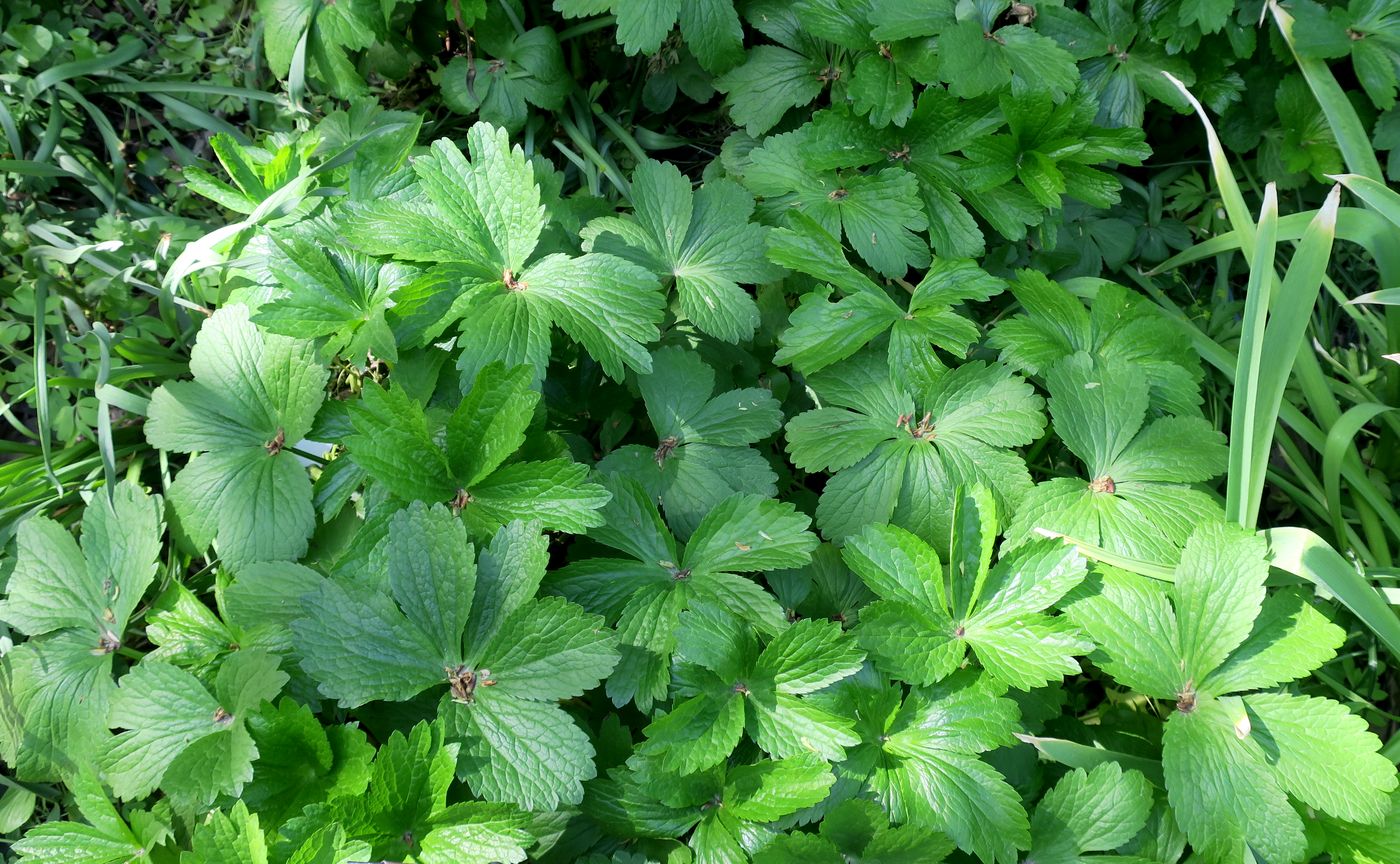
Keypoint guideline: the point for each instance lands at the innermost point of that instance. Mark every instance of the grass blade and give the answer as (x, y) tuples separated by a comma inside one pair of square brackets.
[(1304, 554), (1249, 456)]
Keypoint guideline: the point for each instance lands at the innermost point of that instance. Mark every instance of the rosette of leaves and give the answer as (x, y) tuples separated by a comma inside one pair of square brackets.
[(253, 396), (878, 212), (645, 593), (729, 810), (857, 831), (702, 453), (1118, 326), (821, 332), (1136, 500), (1236, 750), (898, 452), (441, 620), (700, 239), (404, 811), (476, 224), (926, 619), (725, 686), (919, 756), (191, 743), (75, 604), (465, 459)]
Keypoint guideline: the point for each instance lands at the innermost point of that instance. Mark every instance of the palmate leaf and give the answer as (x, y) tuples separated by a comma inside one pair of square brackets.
[(252, 396), (728, 687), (701, 239), (75, 602), (1119, 326), (511, 72), (919, 754), (404, 811), (192, 744), (924, 622), (775, 78), (1231, 762), (928, 147), (646, 593), (1136, 500), (331, 293), (702, 454), (479, 221), (442, 618), (898, 456), (880, 214), (396, 442), (822, 332)]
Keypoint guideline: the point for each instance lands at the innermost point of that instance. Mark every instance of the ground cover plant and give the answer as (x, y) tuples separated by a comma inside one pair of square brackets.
[(699, 431)]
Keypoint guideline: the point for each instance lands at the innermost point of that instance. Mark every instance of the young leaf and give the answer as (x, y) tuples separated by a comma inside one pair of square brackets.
[(252, 397), (335, 293), (919, 755), (879, 214), (702, 454), (1118, 326), (824, 332), (729, 686)]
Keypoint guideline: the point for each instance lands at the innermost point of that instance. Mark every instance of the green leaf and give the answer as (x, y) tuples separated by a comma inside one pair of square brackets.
[(1218, 590), (480, 219), (1324, 755), (396, 442), (192, 744), (702, 455), (921, 447), (505, 657), (929, 773), (1221, 787), (771, 80), (301, 762), (1135, 500), (336, 293), (252, 396), (702, 239), (1090, 811), (879, 214), (769, 790)]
